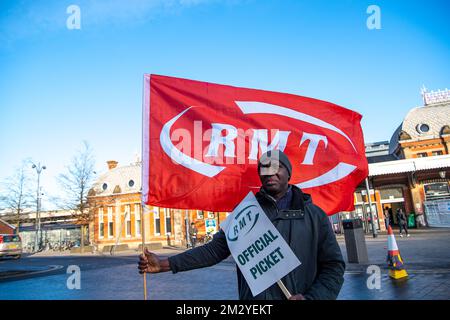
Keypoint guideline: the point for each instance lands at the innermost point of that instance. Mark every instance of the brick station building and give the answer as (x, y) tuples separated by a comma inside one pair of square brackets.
[(6, 228), (115, 200), (412, 170)]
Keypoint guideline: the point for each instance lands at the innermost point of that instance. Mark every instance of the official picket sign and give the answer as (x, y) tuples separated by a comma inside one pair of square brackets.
[(261, 253)]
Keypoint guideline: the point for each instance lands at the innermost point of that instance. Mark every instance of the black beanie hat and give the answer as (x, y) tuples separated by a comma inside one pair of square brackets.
[(277, 155)]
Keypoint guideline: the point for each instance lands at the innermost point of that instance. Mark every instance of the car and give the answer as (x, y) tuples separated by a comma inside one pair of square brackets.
[(10, 245)]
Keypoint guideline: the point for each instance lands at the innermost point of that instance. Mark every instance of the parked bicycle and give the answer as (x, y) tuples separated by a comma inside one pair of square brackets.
[(208, 237)]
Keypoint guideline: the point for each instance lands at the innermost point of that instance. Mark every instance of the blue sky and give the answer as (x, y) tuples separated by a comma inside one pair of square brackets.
[(59, 87)]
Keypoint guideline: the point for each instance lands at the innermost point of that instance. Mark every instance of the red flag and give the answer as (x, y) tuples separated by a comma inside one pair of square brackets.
[(201, 142)]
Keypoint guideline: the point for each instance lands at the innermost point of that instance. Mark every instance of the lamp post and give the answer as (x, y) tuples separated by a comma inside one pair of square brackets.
[(37, 243), (374, 230)]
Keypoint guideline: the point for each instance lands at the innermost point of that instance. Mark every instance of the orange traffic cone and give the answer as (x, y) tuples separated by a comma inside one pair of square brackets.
[(395, 262)]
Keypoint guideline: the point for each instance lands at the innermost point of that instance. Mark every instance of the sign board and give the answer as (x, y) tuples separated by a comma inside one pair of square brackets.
[(260, 252), (444, 206), (438, 213), (210, 225), (364, 192)]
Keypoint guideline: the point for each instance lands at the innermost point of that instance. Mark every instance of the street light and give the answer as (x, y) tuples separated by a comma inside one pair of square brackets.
[(37, 244), (372, 222)]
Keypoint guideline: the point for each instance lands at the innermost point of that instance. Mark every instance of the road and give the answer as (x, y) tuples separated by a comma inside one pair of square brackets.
[(426, 256)]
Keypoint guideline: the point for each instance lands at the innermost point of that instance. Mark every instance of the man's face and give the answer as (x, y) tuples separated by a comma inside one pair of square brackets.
[(274, 181)]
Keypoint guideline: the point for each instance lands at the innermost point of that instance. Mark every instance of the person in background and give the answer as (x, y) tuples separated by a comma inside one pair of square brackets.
[(402, 222), (420, 219), (386, 217), (391, 217), (193, 231)]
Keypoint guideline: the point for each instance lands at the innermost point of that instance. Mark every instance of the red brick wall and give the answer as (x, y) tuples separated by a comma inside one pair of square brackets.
[(409, 206), (5, 229)]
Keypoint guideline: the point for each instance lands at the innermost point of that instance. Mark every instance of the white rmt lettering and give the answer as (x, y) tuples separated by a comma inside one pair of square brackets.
[(227, 140), (314, 140), (260, 141)]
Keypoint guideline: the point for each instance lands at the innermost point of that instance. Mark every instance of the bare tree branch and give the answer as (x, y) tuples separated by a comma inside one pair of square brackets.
[(76, 182), (16, 194)]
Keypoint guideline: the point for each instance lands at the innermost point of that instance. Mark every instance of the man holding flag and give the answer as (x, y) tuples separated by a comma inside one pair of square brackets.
[(304, 226), (201, 147)]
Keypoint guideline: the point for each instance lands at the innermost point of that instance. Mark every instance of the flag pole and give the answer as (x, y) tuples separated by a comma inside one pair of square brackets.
[(284, 289), (143, 247), (144, 162)]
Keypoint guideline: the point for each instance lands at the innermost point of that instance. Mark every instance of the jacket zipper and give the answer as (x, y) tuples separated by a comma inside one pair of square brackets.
[(274, 204)]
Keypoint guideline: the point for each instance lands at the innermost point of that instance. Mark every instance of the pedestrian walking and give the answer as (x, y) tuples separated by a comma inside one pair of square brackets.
[(386, 217), (402, 222), (193, 232)]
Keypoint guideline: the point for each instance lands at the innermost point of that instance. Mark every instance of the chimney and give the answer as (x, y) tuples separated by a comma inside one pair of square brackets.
[(111, 164)]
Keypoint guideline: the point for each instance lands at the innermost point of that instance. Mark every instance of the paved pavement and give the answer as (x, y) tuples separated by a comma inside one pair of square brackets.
[(426, 256), (427, 261)]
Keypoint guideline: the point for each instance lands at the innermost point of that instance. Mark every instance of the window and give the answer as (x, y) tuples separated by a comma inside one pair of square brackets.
[(423, 128), (359, 197), (359, 212), (438, 190), (375, 217), (422, 155), (127, 221), (211, 215), (374, 210), (131, 183), (10, 238), (110, 223), (101, 224), (437, 153), (199, 214), (104, 186), (137, 219), (168, 221), (345, 215), (391, 193), (156, 221)]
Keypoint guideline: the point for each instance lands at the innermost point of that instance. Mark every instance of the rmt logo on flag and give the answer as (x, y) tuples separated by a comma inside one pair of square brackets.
[(201, 143)]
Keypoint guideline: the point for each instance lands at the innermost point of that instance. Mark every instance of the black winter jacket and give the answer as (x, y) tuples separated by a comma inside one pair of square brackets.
[(306, 229)]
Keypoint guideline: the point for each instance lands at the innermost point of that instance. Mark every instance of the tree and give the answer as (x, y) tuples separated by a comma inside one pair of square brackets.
[(17, 195), (76, 182)]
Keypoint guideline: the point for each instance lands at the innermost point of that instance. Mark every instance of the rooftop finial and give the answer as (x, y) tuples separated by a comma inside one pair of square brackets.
[(137, 158)]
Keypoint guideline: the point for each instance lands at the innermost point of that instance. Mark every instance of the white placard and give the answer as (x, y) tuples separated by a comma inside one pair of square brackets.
[(260, 252)]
